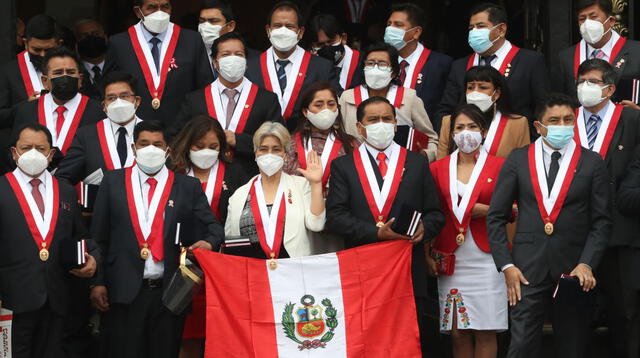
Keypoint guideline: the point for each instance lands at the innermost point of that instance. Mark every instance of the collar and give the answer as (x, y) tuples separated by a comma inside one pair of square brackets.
[(389, 151), (25, 179), (51, 106), (148, 35), (502, 52), (295, 57), (415, 53), (341, 63), (548, 150), (128, 127), (600, 113), (161, 176), (608, 47), (222, 87), (89, 66)]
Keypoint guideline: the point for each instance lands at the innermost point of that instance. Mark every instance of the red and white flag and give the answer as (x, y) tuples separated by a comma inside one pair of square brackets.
[(353, 303)]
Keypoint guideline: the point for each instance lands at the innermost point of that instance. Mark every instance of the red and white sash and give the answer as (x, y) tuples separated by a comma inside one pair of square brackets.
[(349, 66), (270, 227), (42, 228), (415, 66), (380, 200), (294, 79), (394, 95), (607, 129), (248, 92), (500, 64), (149, 226), (32, 83), (213, 186), (155, 82), (580, 54), (494, 135), (72, 119), (329, 153), (109, 148), (462, 211), (550, 203)]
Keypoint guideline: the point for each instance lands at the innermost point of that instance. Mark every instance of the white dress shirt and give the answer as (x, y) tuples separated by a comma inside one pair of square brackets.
[(152, 270), (389, 151), (89, 67), (51, 107), (295, 57), (413, 54), (607, 48), (148, 36), (546, 155), (223, 97), (501, 54)]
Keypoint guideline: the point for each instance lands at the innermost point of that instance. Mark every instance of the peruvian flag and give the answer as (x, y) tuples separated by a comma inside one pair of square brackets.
[(353, 303)]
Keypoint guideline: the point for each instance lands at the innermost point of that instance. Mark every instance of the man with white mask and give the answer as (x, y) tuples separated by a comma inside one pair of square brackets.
[(237, 103), (600, 40), (286, 68), (143, 215)]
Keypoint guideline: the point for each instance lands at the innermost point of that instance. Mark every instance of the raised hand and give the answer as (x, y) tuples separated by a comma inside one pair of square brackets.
[(313, 173)]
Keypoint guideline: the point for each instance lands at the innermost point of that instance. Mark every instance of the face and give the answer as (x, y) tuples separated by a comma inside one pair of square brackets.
[(594, 12), (150, 6), (463, 122), (39, 47), (120, 90), (89, 28), (400, 20), (595, 77), (30, 139), (270, 145), (215, 17), (374, 113), (484, 87), (381, 58), (285, 18), (147, 138), (481, 21), (209, 141), (60, 66), (555, 116), (324, 40), (323, 100), (229, 48)]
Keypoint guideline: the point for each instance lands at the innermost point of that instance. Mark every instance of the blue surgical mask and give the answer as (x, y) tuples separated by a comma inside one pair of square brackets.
[(479, 39), (558, 136), (395, 37)]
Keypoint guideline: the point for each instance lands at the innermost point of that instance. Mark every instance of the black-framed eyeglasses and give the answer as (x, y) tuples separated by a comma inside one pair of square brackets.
[(593, 81)]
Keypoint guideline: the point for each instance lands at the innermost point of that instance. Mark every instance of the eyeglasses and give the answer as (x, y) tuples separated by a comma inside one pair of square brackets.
[(592, 81), (122, 96), (383, 66)]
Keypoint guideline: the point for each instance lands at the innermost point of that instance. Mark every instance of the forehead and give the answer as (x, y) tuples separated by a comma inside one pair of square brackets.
[(211, 14), (481, 17), (323, 95), (29, 136), (231, 45), (592, 74), (151, 136), (399, 16), (155, 2), (61, 62), (378, 109), (463, 119), (270, 141), (378, 55), (284, 15), (118, 87), (593, 9), (43, 43), (559, 111)]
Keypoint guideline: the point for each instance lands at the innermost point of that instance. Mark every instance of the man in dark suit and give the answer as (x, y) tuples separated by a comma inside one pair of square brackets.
[(92, 49), (599, 40), (285, 68), (352, 190), (239, 105), (420, 68), (168, 61), (34, 279), (525, 70), (563, 228), (64, 109), (613, 131), (142, 215)]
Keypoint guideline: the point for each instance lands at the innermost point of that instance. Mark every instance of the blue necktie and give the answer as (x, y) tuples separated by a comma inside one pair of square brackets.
[(155, 52), (282, 75), (592, 129)]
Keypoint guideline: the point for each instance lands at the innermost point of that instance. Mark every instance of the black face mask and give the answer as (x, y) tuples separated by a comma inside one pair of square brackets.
[(36, 61), (64, 87), (332, 53), (92, 47)]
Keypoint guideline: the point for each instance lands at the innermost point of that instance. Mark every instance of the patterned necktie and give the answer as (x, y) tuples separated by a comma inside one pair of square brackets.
[(486, 60), (97, 75), (152, 188), (382, 164), (155, 52), (122, 145), (37, 196), (282, 75), (403, 70), (593, 124), (597, 53), (60, 121), (553, 169), (231, 104)]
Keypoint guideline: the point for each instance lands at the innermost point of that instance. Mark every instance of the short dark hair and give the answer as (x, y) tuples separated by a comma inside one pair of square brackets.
[(609, 76), (36, 127), (59, 52), (287, 5), (393, 57), (224, 38), (372, 100), (475, 114), (42, 27), (604, 5), (552, 100), (493, 76), (149, 125), (415, 14), (118, 76), (328, 23), (497, 13), (223, 6)]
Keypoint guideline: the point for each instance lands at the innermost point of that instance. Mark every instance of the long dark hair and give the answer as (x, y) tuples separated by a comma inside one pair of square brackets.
[(493, 76), (304, 125), (194, 130), (475, 114)]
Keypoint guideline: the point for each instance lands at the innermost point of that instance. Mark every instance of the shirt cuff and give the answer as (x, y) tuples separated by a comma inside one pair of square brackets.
[(506, 267)]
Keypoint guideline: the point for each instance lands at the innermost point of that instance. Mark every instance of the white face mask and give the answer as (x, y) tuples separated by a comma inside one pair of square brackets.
[(468, 141), (32, 162), (121, 111), (157, 22), (283, 39), (590, 94), (380, 134), (324, 119), (204, 158), (232, 67), (150, 159), (481, 100), (592, 31), (269, 163), (209, 33), (376, 78)]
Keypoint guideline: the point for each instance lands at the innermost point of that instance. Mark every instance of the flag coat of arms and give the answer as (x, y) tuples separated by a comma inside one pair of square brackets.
[(353, 303)]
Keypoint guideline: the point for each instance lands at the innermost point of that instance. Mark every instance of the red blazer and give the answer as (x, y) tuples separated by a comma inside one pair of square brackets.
[(446, 240)]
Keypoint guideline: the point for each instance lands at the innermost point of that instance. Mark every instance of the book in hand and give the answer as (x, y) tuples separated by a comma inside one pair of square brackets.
[(569, 293), (406, 221), (72, 253)]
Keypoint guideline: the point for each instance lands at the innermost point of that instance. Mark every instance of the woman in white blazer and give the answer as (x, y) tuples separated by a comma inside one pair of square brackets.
[(381, 72), (256, 208)]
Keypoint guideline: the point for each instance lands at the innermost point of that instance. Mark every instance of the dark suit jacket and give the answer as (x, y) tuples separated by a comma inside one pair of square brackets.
[(434, 78), (265, 108), (581, 231), (348, 213), (26, 283), (629, 192), (120, 267), (528, 83), (193, 72)]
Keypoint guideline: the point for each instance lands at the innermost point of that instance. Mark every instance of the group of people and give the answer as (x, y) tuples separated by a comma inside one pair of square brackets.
[(161, 138)]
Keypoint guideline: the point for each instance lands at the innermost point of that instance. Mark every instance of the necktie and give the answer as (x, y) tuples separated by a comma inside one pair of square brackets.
[(553, 169), (37, 196), (60, 121), (382, 164), (486, 60), (403, 70), (155, 52), (97, 75), (157, 248), (282, 75), (152, 188), (592, 129), (122, 145), (597, 53), (231, 104)]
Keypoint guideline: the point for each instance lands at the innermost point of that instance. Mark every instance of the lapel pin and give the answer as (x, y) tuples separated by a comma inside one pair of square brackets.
[(224, 185), (489, 180), (171, 203), (289, 197), (246, 106), (620, 147)]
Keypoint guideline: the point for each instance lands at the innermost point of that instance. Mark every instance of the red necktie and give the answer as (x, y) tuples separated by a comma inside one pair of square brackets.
[(157, 243), (37, 196), (152, 188), (403, 70), (60, 110), (382, 164)]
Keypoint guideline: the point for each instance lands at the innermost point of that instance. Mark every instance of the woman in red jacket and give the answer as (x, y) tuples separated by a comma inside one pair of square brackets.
[(473, 297)]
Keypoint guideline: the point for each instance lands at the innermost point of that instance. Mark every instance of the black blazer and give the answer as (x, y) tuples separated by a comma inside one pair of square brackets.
[(348, 213), (581, 231), (430, 86), (528, 82), (629, 192), (120, 267), (265, 108), (26, 283), (193, 72)]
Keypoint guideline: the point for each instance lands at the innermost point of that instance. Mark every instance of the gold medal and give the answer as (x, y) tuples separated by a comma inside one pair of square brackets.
[(548, 228), (460, 237), (380, 223), (273, 264), (44, 254), (155, 103), (145, 252)]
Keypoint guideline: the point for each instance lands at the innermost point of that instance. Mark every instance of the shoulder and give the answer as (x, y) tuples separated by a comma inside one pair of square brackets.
[(520, 154), (193, 95), (494, 161), (266, 95), (10, 67), (630, 114), (567, 51), (344, 160), (461, 62), (189, 34), (632, 44), (414, 158), (120, 38), (183, 179), (529, 54), (439, 164), (27, 107), (439, 57), (320, 63), (590, 156), (348, 96)]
